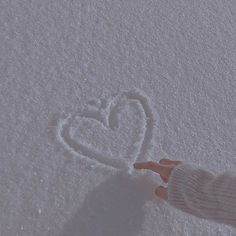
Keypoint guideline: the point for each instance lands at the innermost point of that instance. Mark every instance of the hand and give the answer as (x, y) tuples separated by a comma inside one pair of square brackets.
[(164, 168)]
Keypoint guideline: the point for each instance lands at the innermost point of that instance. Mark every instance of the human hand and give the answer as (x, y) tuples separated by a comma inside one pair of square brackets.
[(164, 168)]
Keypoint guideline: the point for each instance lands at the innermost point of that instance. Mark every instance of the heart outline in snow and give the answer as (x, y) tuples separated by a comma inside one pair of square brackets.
[(108, 116)]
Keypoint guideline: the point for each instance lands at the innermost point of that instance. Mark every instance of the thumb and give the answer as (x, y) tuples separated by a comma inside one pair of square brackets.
[(161, 192)]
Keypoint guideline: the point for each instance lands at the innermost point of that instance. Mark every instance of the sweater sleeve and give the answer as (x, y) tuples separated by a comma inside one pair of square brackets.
[(200, 193)]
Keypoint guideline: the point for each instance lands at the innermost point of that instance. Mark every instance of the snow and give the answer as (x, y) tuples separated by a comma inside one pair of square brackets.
[(89, 87), (100, 131)]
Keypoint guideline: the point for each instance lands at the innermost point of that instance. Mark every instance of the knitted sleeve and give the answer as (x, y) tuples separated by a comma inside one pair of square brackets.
[(200, 193)]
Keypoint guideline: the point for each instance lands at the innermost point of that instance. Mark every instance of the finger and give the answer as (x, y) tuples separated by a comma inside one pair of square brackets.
[(162, 192), (164, 171), (150, 166), (164, 179), (168, 162)]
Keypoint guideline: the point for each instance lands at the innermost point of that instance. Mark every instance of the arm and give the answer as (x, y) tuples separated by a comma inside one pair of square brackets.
[(200, 193)]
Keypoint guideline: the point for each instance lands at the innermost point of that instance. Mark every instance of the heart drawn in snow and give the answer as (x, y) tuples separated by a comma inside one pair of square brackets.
[(116, 132)]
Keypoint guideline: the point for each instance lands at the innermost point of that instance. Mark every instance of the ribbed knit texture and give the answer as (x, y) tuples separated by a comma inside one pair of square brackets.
[(200, 193)]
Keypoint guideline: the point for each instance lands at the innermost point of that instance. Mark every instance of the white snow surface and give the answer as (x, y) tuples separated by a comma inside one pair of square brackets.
[(88, 87)]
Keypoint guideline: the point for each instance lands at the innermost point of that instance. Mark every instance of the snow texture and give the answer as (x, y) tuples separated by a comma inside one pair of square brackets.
[(89, 87)]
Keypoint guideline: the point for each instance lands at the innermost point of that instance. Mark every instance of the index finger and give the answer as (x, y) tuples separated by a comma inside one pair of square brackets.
[(150, 165)]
